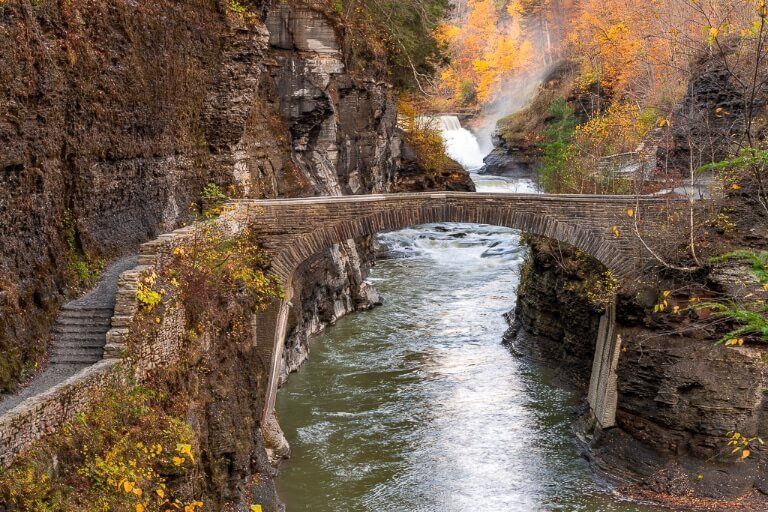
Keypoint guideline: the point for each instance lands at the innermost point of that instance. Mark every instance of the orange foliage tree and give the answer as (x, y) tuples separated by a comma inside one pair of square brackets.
[(488, 47)]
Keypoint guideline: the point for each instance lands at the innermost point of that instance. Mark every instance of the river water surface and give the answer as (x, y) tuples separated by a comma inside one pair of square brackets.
[(416, 406)]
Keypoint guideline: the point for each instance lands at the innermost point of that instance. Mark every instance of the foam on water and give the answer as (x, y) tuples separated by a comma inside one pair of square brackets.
[(463, 244), (504, 185)]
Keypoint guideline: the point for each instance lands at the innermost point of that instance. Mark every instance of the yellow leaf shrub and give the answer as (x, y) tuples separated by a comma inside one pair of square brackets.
[(117, 457)]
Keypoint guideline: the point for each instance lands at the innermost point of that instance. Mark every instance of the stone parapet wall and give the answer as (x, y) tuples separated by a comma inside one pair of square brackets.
[(45, 413), (295, 229)]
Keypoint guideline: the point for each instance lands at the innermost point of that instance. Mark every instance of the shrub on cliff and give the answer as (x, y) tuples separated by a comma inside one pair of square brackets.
[(574, 154), (423, 135), (213, 268), (397, 36), (749, 313), (129, 453)]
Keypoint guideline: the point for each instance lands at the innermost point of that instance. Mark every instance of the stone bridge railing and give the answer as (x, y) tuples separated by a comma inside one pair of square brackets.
[(295, 229)]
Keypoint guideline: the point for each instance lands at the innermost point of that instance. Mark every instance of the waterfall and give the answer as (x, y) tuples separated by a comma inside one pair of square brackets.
[(449, 123), (460, 143)]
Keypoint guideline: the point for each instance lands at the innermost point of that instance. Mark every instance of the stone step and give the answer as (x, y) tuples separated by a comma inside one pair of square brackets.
[(72, 337), (59, 354), (76, 359), (83, 317), (76, 351), (80, 329), (105, 320), (85, 312), (79, 342), (80, 335)]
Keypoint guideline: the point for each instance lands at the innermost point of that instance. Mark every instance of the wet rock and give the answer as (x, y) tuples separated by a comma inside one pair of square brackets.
[(513, 162), (412, 177), (552, 323), (274, 441)]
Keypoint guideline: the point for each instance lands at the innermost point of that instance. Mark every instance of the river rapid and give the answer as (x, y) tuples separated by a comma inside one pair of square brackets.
[(416, 406)]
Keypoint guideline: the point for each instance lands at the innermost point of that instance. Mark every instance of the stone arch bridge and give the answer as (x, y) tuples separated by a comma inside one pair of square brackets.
[(292, 230)]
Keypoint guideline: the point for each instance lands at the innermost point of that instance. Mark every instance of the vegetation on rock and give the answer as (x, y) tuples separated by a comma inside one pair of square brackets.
[(423, 135), (397, 36), (130, 452), (214, 268)]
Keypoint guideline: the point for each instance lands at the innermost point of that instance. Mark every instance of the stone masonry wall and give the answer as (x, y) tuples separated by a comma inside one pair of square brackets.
[(47, 412)]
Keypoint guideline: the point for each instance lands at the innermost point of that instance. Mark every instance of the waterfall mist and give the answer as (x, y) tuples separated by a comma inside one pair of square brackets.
[(460, 144), (513, 98)]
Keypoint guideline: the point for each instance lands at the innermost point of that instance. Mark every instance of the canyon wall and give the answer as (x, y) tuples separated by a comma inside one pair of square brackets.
[(113, 119), (679, 393), (114, 116)]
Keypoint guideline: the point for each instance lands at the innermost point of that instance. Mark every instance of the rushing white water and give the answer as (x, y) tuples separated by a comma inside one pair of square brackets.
[(503, 184), (460, 144)]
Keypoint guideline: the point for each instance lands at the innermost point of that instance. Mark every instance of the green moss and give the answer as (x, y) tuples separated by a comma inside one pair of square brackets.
[(557, 147), (84, 270)]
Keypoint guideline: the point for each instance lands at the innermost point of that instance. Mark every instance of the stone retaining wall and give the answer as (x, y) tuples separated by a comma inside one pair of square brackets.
[(47, 412)]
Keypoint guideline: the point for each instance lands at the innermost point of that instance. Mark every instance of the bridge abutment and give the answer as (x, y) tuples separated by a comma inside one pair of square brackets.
[(603, 392), (271, 326)]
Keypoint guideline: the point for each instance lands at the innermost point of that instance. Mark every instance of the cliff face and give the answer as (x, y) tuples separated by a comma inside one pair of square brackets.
[(344, 139), (538, 328), (103, 145), (679, 394), (114, 116)]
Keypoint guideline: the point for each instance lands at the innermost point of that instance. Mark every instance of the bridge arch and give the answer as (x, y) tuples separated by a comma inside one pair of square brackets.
[(296, 229), (326, 236)]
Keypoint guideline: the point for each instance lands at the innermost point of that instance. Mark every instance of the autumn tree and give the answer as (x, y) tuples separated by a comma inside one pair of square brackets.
[(488, 47), (398, 36)]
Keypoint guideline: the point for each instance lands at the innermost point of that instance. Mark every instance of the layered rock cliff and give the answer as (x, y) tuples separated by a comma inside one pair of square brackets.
[(679, 393), (114, 116)]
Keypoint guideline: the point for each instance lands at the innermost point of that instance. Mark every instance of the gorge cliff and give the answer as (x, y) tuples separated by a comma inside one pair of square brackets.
[(682, 394), (117, 119), (115, 116)]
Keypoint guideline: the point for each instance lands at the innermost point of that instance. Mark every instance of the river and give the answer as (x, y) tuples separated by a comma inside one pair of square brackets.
[(416, 406)]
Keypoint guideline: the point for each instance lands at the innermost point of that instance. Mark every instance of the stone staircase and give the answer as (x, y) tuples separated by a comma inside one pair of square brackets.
[(80, 331), (79, 335)]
